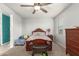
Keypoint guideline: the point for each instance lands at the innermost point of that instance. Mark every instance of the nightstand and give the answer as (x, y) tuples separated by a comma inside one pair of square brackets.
[(50, 36)]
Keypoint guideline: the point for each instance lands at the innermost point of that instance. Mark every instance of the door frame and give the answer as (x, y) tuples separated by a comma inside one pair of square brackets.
[(11, 44)]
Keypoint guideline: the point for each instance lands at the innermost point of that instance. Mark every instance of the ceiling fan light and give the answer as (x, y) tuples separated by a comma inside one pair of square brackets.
[(37, 7)]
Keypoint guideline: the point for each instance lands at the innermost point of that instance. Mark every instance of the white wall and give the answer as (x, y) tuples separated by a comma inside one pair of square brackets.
[(17, 25), (31, 24), (68, 19)]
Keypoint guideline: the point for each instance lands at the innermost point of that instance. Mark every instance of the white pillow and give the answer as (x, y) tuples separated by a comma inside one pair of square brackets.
[(38, 33)]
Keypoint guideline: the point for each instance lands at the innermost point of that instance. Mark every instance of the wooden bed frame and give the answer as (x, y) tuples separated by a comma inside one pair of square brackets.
[(29, 44)]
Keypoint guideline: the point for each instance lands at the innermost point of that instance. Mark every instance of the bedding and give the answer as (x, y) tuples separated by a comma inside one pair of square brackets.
[(33, 37), (38, 37)]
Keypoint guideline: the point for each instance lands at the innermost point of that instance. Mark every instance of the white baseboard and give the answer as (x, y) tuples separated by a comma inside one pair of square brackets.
[(62, 45), (7, 44)]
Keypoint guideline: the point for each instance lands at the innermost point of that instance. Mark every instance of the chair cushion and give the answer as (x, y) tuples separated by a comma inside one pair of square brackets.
[(19, 42)]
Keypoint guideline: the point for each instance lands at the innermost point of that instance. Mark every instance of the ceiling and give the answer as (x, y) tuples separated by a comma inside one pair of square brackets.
[(26, 12)]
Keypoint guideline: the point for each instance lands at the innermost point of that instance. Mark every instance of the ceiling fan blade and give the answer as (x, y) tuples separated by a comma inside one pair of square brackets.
[(44, 4), (35, 4), (27, 5), (43, 10), (34, 12)]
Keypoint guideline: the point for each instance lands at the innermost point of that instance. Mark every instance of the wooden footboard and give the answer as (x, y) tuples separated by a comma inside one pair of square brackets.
[(29, 44)]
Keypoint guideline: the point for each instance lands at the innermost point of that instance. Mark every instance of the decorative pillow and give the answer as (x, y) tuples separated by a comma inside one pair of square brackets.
[(26, 36)]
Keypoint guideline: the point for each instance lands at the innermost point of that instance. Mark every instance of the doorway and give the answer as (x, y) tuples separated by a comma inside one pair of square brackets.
[(5, 28)]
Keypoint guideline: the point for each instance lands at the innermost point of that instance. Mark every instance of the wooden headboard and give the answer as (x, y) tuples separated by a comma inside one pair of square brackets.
[(38, 30)]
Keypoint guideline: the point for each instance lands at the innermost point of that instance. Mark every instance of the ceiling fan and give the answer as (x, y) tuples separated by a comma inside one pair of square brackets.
[(37, 6)]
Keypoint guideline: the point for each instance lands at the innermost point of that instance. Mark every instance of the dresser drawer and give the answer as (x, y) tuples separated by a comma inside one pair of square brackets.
[(72, 52), (72, 42), (73, 47), (72, 33), (74, 38)]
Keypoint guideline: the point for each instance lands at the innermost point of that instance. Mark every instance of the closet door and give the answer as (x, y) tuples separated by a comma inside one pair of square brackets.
[(5, 28)]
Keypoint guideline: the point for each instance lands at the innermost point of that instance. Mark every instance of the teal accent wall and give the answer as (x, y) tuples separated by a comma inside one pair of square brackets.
[(5, 28)]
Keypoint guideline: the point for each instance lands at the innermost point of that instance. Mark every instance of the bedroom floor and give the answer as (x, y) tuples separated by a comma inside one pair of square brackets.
[(4, 48), (20, 51)]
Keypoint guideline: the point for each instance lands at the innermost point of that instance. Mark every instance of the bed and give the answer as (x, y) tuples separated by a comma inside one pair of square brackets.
[(38, 37)]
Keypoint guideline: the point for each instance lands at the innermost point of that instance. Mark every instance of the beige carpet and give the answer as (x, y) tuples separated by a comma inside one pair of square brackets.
[(20, 51)]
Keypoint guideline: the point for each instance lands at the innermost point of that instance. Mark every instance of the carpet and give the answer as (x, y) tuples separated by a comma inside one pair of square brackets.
[(20, 51)]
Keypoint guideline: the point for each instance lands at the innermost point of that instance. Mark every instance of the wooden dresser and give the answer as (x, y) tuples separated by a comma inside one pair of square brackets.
[(72, 41)]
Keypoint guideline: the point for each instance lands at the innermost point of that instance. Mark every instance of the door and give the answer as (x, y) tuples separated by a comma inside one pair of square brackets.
[(5, 28)]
